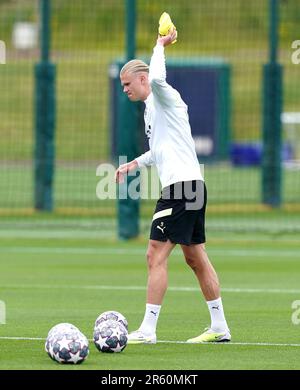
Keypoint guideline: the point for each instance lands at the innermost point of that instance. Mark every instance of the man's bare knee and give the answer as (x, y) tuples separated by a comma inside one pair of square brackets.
[(157, 254), (190, 262), (151, 258), (194, 256)]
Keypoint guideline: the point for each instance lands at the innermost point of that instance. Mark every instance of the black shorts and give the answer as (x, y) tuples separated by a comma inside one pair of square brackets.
[(180, 214)]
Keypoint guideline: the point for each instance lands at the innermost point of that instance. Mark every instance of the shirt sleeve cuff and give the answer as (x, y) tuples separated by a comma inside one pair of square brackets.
[(140, 161), (144, 160)]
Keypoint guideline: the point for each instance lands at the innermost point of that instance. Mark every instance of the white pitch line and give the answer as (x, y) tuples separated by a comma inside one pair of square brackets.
[(233, 343), (143, 288), (58, 234), (22, 338), (169, 342), (142, 252)]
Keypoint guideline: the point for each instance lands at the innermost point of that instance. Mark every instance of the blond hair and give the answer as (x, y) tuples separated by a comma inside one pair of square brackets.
[(134, 66)]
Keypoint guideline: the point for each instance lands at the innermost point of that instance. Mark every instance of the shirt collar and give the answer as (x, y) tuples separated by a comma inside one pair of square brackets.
[(149, 99)]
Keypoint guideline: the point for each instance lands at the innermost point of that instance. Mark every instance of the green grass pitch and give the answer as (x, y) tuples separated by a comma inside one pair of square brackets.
[(64, 279)]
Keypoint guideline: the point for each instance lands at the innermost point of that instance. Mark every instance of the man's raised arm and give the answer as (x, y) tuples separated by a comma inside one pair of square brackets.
[(157, 71)]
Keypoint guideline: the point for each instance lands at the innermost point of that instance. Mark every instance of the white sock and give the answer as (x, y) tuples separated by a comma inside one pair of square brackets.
[(148, 326), (218, 322)]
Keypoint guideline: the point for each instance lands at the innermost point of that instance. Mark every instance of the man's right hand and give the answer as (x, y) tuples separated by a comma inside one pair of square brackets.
[(167, 39), (123, 170)]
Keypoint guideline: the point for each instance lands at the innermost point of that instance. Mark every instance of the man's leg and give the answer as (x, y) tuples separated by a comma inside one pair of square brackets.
[(157, 256), (157, 261), (196, 257)]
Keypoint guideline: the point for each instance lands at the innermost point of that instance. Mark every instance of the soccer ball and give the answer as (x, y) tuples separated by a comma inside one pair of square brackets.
[(66, 344), (110, 336), (111, 315), (63, 327)]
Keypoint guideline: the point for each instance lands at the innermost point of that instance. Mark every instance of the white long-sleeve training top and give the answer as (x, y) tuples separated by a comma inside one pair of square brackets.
[(172, 148)]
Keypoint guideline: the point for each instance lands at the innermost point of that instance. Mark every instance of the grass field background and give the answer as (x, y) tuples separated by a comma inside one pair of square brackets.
[(68, 266), (75, 186), (86, 38), (230, 207), (65, 278)]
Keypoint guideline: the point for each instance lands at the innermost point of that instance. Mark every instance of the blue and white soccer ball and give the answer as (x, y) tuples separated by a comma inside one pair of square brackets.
[(62, 327), (110, 336), (66, 344), (111, 315)]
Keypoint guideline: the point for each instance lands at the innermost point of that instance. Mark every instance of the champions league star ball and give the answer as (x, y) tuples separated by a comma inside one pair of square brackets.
[(63, 327), (111, 315), (72, 348), (66, 344), (110, 336)]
